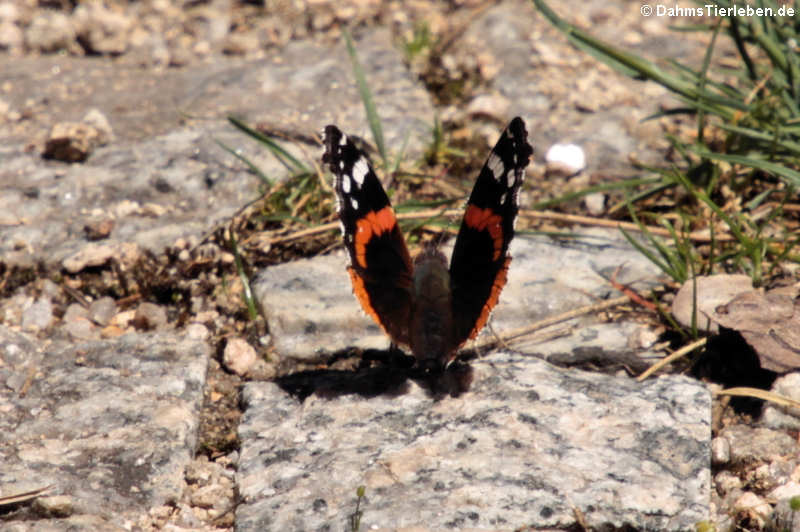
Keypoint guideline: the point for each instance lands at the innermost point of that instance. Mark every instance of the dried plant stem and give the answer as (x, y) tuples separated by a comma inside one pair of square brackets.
[(674, 356), (547, 322), (761, 394)]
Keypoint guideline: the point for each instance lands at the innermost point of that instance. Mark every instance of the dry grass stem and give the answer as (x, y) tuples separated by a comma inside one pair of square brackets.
[(688, 348)]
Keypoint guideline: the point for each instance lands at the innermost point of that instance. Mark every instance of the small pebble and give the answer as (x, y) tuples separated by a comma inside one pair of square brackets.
[(75, 311), (55, 506), (239, 356), (98, 229), (595, 203), (565, 159), (38, 316), (720, 451), (783, 417), (149, 316), (755, 507), (102, 310)]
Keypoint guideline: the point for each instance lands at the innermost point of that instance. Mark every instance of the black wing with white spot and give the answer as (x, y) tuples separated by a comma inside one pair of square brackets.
[(380, 266), (480, 261)]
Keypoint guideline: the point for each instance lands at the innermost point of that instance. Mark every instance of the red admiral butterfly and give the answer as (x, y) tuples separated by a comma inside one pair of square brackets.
[(424, 305)]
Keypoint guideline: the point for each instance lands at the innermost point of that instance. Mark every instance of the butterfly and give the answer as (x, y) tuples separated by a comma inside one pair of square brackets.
[(425, 304)]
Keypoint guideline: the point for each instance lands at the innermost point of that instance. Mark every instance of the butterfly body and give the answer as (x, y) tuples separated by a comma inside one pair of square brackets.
[(426, 304), (431, 326)]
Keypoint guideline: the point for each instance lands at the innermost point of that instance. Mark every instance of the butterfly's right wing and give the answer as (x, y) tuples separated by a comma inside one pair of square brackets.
[(480, 260)]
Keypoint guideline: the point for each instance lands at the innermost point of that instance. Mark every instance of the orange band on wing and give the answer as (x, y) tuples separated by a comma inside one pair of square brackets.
[(486, 220), (360, 292), (497, 287), (375, 223)]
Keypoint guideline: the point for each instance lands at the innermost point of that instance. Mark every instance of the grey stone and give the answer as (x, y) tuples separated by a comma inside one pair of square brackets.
[(96, 254), (75, 311), (56, 506), (99, 121), (102, 310), (725, 481), (752, 444), (150, 316), (81, 329), (103, 30), (783, 417), (38, 316), (704, 294), (50, 31), (310, 308), (77, 324), (75, 141), (11, 37), (528, 445), (75, 523), (785, 517), (112, 424), (755, 508)]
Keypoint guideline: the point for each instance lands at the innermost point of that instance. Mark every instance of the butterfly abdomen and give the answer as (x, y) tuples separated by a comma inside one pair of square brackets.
[(431, 314)]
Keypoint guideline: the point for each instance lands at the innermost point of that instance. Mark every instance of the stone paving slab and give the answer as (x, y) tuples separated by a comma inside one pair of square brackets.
[(180, 183), (528, 445), (110, 424)]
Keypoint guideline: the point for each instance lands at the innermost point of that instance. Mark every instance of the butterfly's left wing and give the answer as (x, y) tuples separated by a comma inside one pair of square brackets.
[(480, 261), (380, 266)]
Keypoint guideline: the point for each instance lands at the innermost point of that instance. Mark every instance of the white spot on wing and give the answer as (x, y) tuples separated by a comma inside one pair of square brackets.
[(346, 184), (360, 171), (354, 203), (495, 164)]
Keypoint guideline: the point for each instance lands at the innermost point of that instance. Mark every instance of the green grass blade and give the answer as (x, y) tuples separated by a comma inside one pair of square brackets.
[(703, 77), (633, 66), (247, 293), (253, 168), (792, 177), (602, 187), (788, 145), (648, 253), (579, 39), (701, 195), (286, 159), (661, 185), (287, 218), (401, 153), (366, 97), (738, 39), (760, 198), (416, 205), (668, 261)]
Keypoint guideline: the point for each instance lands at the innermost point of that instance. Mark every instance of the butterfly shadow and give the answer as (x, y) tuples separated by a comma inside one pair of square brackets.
[(380, 372)]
